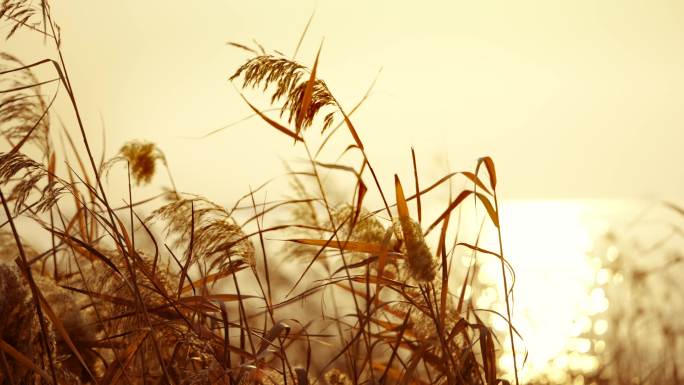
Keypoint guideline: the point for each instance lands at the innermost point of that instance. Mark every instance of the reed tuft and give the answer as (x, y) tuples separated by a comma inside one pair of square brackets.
[(142, 158), (290, 81)]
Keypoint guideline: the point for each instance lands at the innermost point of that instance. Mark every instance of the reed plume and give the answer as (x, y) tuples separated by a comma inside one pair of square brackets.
[(21, 13), (142, 158), (420, 264), (289, 79), (24, 111), (207, 231)]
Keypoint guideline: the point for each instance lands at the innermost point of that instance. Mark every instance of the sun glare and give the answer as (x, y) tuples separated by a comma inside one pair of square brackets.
[(548, 243)]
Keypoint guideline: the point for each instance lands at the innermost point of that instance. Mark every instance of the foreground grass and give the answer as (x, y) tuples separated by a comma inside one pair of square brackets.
[(114, 301), (177, 289)]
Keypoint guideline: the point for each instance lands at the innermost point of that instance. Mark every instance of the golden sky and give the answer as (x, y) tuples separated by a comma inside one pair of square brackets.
[(571, 98)]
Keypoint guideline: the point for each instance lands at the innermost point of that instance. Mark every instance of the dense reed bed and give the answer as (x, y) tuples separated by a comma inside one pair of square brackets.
[(319, 286), (174, 290)]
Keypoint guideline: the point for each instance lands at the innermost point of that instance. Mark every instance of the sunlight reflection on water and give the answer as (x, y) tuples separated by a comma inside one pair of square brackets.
[(556, 300)]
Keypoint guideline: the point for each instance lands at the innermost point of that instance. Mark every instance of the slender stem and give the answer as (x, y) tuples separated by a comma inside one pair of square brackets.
[(505, 282)]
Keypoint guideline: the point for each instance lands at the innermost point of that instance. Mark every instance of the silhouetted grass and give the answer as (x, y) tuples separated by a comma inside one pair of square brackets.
[(115, 301)]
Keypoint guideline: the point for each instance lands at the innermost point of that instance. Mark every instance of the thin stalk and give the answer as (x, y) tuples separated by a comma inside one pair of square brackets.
[(505, 282)]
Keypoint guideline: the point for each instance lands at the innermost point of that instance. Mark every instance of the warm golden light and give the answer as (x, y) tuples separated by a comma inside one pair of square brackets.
[(549, 243), (164, 163)]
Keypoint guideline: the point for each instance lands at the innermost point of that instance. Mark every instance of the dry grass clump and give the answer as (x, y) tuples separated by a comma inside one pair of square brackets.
[(21, 329), (112, 300), (19, 323)]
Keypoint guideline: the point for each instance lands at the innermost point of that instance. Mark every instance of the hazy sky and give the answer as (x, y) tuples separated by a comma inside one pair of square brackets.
[(572, 98)]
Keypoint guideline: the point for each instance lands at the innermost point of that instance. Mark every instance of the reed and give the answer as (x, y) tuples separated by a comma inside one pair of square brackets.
[(116, 299)]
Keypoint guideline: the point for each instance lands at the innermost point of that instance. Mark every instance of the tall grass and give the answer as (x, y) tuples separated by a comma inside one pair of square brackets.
[(117, 299)]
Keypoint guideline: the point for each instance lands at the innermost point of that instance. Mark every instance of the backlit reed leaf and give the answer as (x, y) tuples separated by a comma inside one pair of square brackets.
[(491, 170), (307, 96)]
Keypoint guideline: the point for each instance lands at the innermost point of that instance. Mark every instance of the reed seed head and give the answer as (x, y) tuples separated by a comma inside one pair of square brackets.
[(142, 158), (420, 264)]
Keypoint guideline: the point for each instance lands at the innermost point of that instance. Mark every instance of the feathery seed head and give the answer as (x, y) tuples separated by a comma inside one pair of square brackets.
[(420, 264), (216, 238), (142, 158), (290, 80)]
